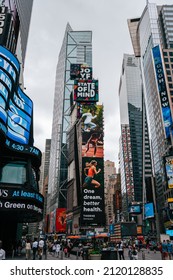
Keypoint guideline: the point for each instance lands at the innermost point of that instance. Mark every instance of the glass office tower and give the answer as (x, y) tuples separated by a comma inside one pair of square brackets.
[(154, 29), (76, 48), (135, 159)]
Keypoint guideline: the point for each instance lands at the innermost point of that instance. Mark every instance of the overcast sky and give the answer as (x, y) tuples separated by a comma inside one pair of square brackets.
[(107, 19)]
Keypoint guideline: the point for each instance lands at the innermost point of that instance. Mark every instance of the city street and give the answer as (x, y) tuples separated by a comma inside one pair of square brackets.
[(142, 255)]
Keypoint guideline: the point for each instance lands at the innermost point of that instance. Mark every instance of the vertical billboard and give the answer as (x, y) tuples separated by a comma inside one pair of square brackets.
[(162, 90), (92, 166), (61, 220), (148, 210), (16, 108), (169, 171), (5, 20)]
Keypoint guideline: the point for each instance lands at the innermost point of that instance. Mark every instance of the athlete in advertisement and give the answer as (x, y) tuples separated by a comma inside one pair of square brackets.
[(90, 171)]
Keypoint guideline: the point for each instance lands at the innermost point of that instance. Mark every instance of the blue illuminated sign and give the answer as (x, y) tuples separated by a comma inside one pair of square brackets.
[(8, 67), (4, 77), (135, 209), (21, 104), (10, 57), (3, 91), (149, 210), (161, 84), (169, 232)]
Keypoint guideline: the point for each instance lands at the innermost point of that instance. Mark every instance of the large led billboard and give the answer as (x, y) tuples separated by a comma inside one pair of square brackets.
[(61, 221), (86, 91), (21, 201), (162, 90), (134, 209), (148, 210), (92, 166), (80, 72), (169, 171), (16, 108)]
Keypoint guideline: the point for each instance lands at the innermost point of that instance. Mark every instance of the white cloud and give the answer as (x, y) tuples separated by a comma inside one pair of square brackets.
[(108, 21)]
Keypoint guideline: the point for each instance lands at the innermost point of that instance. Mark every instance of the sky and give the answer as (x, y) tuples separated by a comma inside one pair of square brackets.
[(107, 19)]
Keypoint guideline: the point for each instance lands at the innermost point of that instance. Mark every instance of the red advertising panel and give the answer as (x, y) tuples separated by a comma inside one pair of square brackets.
[(61, 221)]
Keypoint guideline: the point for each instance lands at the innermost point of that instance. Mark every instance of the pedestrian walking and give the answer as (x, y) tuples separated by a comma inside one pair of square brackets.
[(164, 250), (169, 249), (130, 253), (65, 251), (57, 249), (34, 248), (121, 251), (28, 249), (134, 253), (45, 247), (40, 248), (2, 252)]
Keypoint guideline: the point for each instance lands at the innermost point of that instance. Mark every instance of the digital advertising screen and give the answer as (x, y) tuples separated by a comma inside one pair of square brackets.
[(169, 171), (86, 91), (149, 210), (169, 232), (135, 209), (162, 90), (61, 220), (92, 165), (92, 191), (16, 108), (80, 72)]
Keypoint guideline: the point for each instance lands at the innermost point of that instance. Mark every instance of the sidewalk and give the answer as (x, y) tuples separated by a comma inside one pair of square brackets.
[(142, 255)]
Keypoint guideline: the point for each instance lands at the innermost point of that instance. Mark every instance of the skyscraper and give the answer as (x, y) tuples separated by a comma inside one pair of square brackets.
[(151, 36), (17, 20), (135, 159), (76, 48), (20, 160)]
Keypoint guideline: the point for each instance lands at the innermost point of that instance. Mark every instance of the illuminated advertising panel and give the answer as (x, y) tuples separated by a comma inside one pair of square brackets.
[(61, 220), (162, 90), (21, 202), (10, 58), (80, 72), (169, 232), (93, 192), (16, 108), (86, 91), (169, 171), (5, 19), (92, 166), (135, 209), (149, 210)]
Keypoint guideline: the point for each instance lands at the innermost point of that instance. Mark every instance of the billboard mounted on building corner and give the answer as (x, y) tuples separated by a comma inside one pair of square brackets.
[(162, 90)]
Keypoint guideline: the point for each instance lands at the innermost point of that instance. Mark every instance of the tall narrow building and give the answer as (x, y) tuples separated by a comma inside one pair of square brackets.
[(20, 160), (152, 40), (76, 48), (135, 159)]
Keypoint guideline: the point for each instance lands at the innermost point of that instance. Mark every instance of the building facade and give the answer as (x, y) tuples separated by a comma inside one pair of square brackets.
[(135, 158), (151, 36), (20, 200), (76, 48)]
